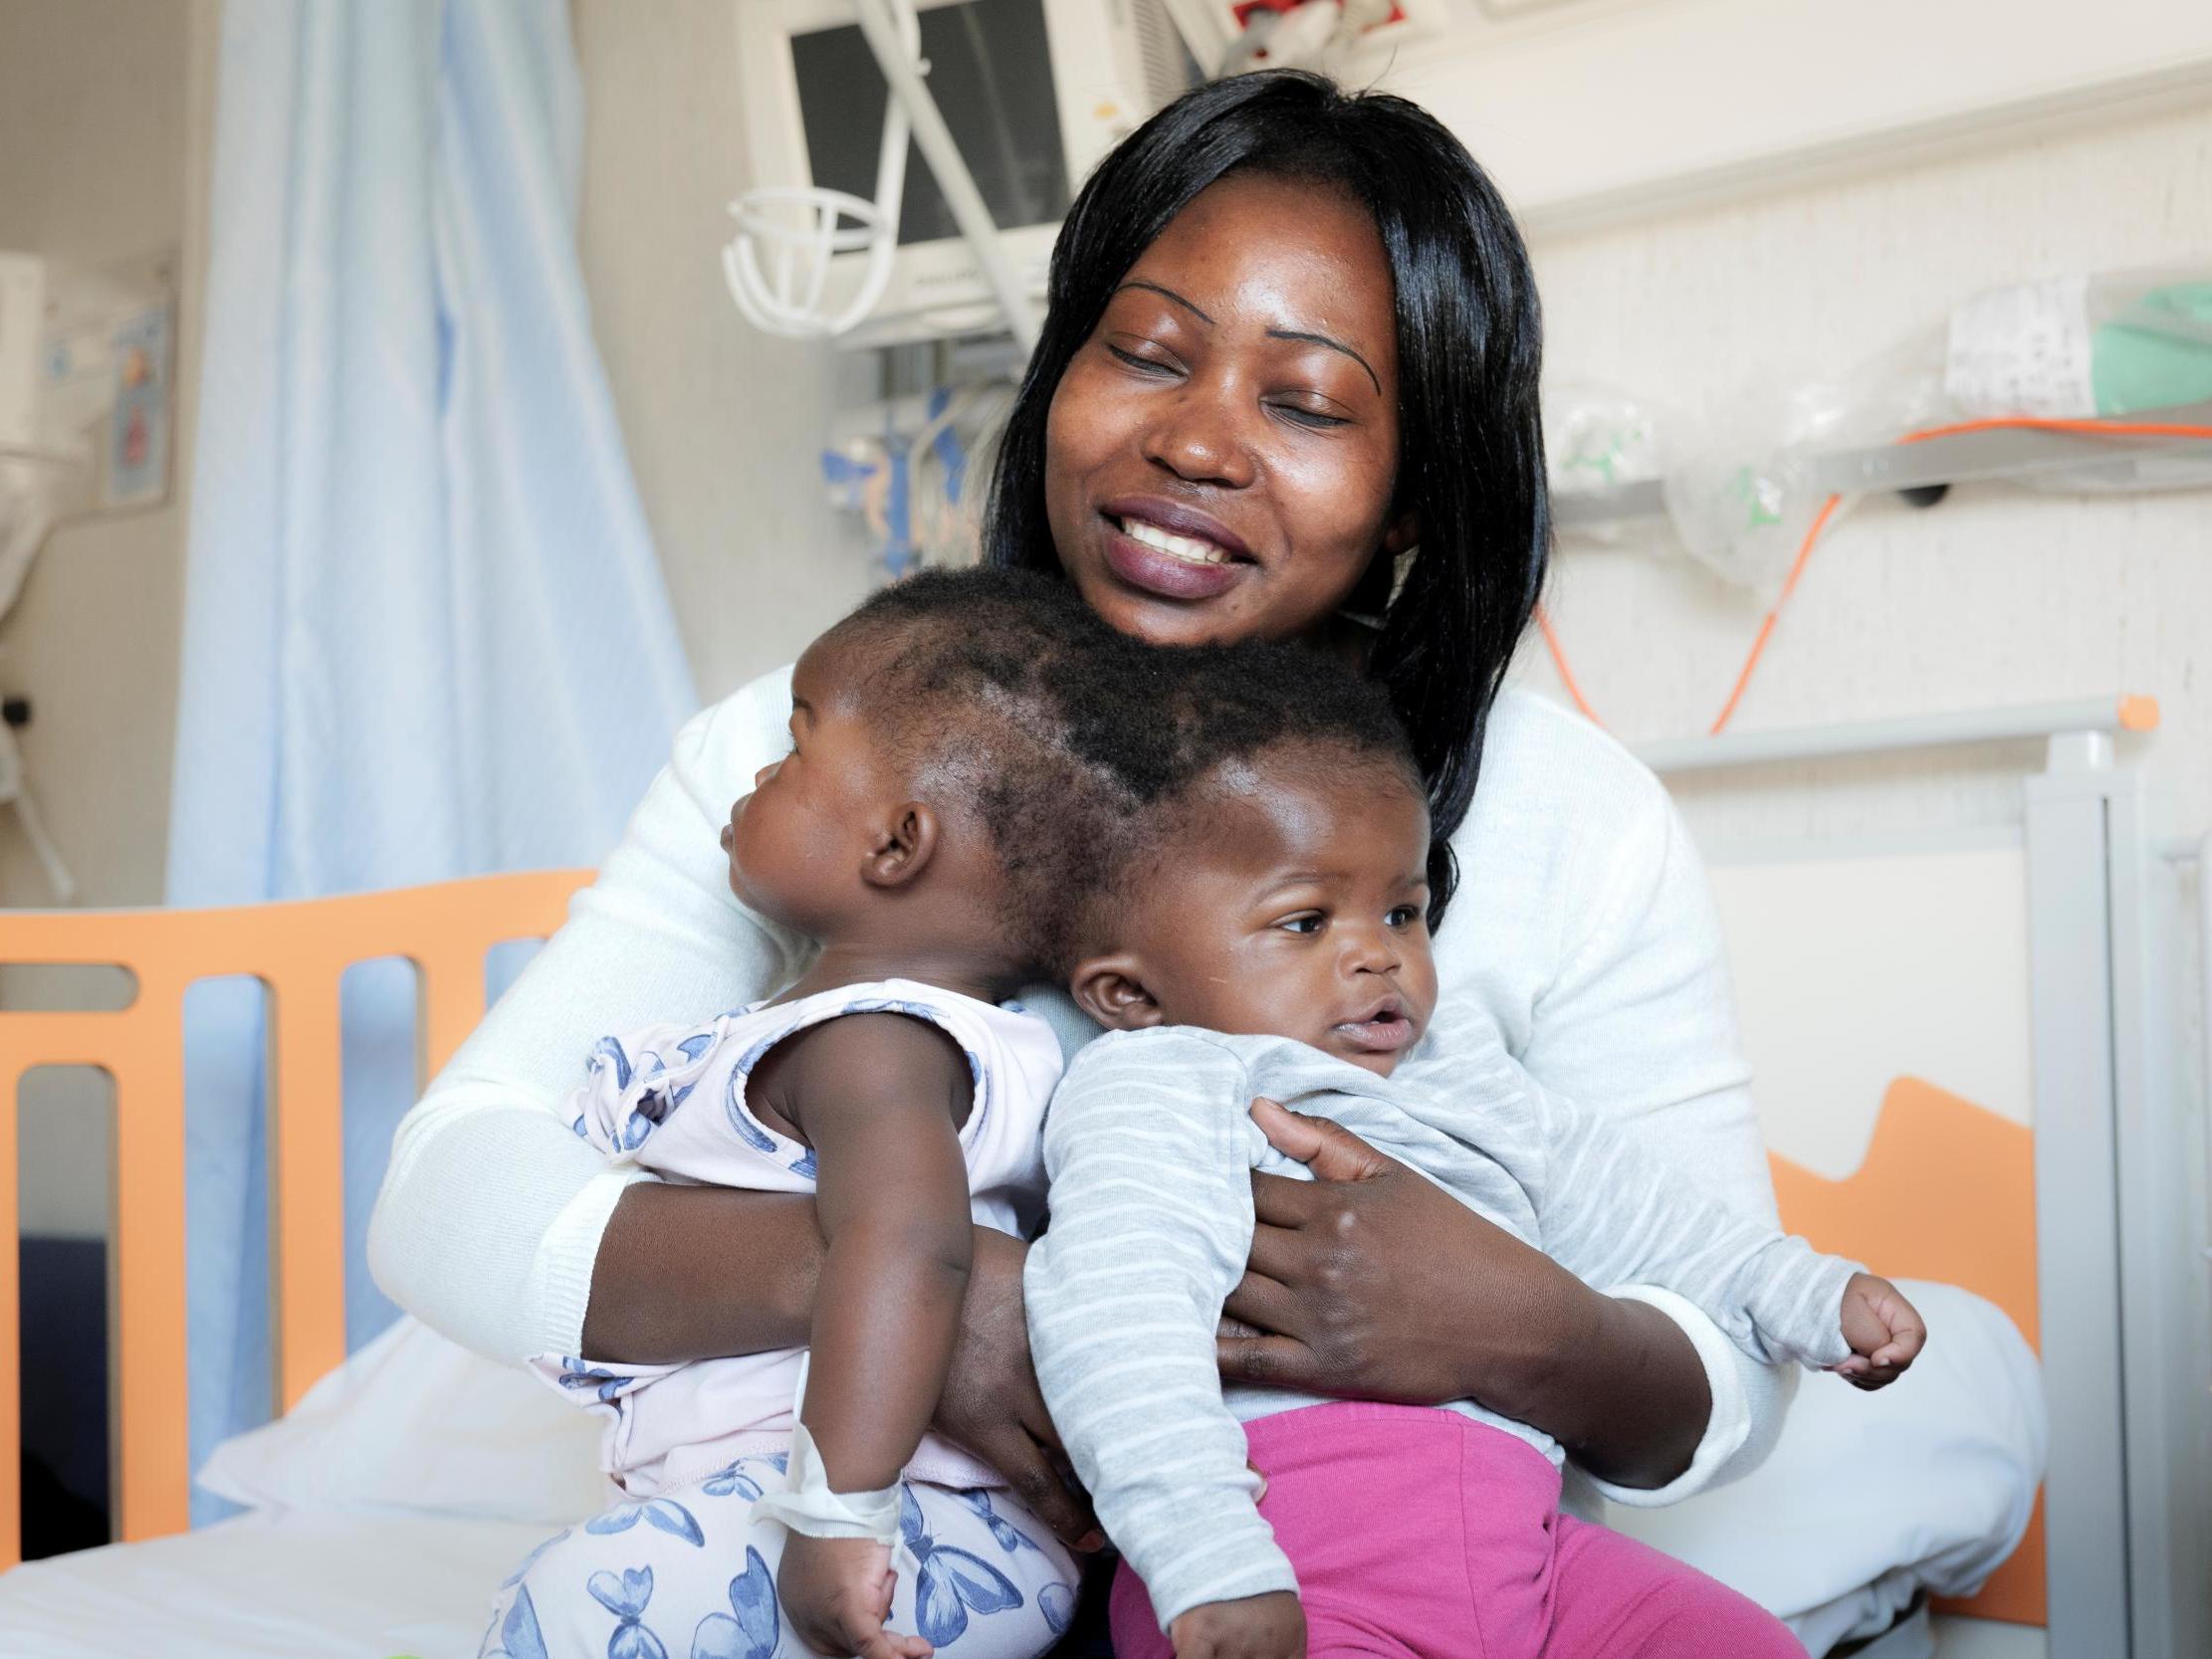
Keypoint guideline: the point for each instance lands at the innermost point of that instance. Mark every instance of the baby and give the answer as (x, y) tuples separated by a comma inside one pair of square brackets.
[(925, 828), (1262, 932)]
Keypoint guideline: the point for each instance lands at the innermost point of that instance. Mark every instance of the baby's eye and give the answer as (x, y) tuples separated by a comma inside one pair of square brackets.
[(1405, 916), (1305, 921)]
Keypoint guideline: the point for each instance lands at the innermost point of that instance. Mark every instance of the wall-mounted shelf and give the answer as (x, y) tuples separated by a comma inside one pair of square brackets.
[(2117, 462)]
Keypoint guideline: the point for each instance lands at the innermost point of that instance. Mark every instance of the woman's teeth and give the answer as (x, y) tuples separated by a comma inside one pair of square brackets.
[(1187, 547)]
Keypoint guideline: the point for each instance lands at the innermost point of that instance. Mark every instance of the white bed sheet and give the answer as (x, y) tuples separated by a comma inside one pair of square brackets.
[(271, 1584)]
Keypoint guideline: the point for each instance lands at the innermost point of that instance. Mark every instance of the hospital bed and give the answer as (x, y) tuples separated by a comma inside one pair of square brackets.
[(1992, 1073)]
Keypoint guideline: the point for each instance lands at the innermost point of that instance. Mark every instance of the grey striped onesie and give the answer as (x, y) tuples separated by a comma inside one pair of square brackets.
[(1149, 1146)]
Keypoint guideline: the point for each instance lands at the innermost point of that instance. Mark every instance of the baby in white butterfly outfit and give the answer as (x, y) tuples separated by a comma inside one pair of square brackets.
[(783, 1503), (672, 1100)]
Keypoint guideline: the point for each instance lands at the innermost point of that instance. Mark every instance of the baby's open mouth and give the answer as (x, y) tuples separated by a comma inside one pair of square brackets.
[(1385, 1029)]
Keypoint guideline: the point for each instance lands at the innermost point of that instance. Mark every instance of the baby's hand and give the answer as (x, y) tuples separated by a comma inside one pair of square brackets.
[(836, 1591), (1885, 1331), (1271, 1626)]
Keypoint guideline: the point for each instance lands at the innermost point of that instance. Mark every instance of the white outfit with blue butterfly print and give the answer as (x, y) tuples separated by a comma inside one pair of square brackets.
[(679, 1569)]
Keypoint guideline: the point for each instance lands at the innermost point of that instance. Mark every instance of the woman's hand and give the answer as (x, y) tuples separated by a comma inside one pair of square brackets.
[(1359, 1279), (991, 1403), (1371, 1283)]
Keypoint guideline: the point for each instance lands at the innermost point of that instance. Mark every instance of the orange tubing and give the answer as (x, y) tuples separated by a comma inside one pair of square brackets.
[(2031, 423)]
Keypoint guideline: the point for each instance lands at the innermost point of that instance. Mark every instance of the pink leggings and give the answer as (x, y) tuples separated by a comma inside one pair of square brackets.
[(1421, 1534)]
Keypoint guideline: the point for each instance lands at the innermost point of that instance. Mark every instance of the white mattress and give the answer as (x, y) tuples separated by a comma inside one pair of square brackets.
[(269, 1585)]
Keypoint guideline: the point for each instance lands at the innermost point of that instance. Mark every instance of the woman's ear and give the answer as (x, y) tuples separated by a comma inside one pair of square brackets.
[(902, 846), (1111, 991), (1403, 535)]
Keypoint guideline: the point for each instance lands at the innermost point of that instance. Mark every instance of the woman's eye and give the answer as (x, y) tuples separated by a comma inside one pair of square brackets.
[(1144, 365), (1313, 418), (1308, 923)]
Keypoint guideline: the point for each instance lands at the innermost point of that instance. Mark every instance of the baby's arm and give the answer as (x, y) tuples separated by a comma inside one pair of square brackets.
[(1150, 1152), (880, 1097), (1607, 1216)]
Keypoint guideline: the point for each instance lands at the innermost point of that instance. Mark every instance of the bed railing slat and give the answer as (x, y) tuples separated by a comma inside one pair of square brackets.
[(299, 952), (307, 1177), (154, 1464)]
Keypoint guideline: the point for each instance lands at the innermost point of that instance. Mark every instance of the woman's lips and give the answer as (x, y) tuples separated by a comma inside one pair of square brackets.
[(1202, 557), (1150, 570)]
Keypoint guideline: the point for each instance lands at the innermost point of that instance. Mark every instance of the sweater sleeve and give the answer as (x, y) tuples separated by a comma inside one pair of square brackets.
[(1603, 1216), (1150, 1156), (492, 1209), (1577, 854)]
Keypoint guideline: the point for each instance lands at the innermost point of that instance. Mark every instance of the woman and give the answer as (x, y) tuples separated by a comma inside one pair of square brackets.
[(1287, 385)]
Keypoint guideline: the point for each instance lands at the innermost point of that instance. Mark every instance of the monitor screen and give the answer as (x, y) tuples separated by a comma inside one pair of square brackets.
[(990, 71)]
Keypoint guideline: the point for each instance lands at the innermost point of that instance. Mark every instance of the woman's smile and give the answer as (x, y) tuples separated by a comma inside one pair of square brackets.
[(1174, 551)]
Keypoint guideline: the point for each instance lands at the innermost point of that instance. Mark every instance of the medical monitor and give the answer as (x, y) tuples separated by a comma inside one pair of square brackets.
[(1034, 92)]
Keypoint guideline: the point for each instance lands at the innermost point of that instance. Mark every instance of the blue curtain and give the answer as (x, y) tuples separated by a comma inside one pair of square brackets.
[(424, 634)]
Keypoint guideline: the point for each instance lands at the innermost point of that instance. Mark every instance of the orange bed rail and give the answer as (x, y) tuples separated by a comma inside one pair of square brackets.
[(299, 951)]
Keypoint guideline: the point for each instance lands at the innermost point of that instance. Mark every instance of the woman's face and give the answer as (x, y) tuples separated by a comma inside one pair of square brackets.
[(1222, 454)]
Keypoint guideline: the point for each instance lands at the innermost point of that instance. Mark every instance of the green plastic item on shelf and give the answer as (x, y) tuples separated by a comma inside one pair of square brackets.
[(2156, 354)]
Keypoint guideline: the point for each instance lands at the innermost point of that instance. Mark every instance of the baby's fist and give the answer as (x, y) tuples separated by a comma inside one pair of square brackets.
[(836, 1593), (1271, 1626), (1885, 1331)]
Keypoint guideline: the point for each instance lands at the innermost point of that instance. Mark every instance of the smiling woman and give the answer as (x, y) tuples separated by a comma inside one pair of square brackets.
[(1240, 369)]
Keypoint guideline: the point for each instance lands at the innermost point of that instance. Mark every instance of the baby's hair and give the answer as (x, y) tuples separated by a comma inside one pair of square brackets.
[(1206, 706), (1182, 728), (976, 678), (1083, 753)]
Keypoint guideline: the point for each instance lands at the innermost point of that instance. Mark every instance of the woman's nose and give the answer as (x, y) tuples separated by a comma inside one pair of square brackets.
[(760, 777), (1201, 436)]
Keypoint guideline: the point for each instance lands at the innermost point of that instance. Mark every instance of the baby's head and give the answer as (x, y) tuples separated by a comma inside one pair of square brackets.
[(1272, 878), (932, 807)]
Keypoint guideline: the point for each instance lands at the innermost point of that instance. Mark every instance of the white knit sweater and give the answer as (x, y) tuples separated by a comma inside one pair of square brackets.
[(1583, 927)]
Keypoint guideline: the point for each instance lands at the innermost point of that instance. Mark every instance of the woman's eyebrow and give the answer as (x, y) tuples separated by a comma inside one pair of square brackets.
[(1333, 346), (1272, 334), (1167, 294)]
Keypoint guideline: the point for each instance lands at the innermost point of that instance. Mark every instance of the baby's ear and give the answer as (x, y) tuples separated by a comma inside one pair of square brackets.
[(902, 845), (1111, 990)]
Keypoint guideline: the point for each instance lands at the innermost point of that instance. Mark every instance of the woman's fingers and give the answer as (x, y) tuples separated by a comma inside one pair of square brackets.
[(1035, 1475), (1283, 1254), (1268, 1362), (1286, 1201), (1262, 1305), (1332, 1152)]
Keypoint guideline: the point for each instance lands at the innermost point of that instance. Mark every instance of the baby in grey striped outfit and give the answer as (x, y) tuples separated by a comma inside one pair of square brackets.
[(1262, 931)]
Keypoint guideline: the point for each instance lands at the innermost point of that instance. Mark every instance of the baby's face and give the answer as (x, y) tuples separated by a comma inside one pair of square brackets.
[(1295, 908), (797, 842)]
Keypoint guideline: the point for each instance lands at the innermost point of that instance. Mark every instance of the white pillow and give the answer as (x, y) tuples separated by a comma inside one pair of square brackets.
[(416, 1423)]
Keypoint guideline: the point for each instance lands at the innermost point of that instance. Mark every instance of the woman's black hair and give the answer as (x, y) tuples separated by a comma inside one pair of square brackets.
[(1470, 462)]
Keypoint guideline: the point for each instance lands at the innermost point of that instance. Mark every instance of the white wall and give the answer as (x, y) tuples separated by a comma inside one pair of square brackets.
[(93, 156), (105, 127), (725, 424), (1995, 596)]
